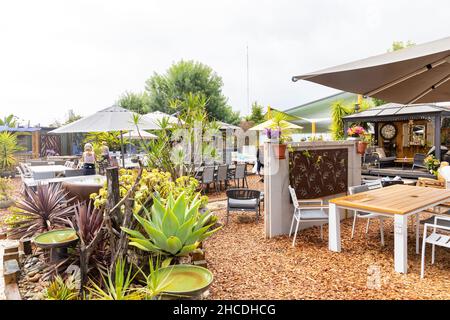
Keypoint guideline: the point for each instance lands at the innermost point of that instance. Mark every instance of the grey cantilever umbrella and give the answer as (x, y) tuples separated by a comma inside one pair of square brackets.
[(419, 74), (110, 119)]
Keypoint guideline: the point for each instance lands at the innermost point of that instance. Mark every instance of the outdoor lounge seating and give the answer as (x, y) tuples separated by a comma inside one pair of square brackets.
[(74, 173), (311, 210), (418, 161), (43, 175), (381, 159), (243, 200), (435, 239)]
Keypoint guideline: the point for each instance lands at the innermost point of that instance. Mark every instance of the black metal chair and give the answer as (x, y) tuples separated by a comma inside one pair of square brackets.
[(221, 176), (208, 176), (243, 200), (418, 161), (240, 174)]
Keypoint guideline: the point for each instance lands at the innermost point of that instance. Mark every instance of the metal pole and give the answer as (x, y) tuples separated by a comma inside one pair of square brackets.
[(122, 149), (437, 136)]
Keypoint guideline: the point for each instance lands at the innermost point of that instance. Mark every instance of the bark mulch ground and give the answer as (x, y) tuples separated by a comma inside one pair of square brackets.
[(248, 266)]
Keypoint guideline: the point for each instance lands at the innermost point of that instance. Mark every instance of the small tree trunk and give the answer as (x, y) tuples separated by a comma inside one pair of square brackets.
[(112, 176)]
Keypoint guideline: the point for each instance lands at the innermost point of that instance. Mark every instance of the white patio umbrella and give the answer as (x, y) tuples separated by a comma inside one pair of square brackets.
[(418, 74), (109, 119), (134, 134), (157, 116)]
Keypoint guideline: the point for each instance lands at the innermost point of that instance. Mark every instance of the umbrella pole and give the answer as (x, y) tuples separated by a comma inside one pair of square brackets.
[(122, 149)]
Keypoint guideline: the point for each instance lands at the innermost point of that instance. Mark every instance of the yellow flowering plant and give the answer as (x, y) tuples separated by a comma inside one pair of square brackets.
[(152, 181), (432, 164)]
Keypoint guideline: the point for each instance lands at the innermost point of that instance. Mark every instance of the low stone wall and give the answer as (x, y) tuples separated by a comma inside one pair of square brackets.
[(320, 159)]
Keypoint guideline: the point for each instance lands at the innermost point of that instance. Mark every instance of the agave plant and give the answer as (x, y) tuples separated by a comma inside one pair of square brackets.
[(42, 210), (175, 229)]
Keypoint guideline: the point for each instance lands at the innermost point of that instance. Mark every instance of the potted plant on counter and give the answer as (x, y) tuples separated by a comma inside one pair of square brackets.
[(359, 134), (279, 133)]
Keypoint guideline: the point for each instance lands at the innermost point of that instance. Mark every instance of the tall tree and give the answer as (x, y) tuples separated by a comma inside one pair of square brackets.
[(136, 102), (257, 114), (189, 77)]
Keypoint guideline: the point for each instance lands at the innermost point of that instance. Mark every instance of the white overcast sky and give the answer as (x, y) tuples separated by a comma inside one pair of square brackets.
[(81, 55)]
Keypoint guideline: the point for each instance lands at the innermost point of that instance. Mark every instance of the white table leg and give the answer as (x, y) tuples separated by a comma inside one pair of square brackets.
[(334, 228), (401, 243)]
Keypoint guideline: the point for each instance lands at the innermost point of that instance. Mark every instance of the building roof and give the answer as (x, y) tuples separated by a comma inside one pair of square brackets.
[(319, 111), (398, 112), (19, 129)]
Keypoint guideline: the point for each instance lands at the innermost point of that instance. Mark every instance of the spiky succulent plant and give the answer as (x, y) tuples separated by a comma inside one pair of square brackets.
[(175, 229)]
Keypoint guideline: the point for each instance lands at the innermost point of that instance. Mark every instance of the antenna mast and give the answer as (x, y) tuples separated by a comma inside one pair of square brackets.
[(248, 84)]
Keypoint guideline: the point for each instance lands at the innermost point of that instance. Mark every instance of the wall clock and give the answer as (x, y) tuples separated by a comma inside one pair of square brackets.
[(388, 131)]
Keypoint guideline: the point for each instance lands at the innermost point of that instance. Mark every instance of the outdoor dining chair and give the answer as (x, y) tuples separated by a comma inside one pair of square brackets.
[(310, 210), (221, 176), (243, 200), (435, 239), (208, 176), (418, 161), (364, 215), (240, 174)]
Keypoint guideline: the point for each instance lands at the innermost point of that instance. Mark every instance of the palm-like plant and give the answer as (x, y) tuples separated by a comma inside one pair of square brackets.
[(174, 230), (117, 285), (8, 146), (338, 112), (42, 210), (9, 121), (60, 289)]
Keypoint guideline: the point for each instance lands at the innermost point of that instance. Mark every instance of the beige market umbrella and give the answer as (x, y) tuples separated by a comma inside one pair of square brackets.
[(270, 124), (109, 119), (418, 74)]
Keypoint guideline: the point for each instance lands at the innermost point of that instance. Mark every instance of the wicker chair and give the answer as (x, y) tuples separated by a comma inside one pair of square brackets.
[(243, 200), (221, 176)]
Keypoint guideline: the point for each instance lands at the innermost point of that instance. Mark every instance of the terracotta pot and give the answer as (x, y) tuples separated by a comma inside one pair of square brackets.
[(362, 146), (280, 151)]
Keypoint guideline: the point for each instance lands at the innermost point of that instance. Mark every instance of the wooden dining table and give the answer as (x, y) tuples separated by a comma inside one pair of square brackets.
[(398, 202)]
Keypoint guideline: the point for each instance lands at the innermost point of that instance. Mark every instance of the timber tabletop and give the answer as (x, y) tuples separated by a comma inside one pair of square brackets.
[(396, 199)]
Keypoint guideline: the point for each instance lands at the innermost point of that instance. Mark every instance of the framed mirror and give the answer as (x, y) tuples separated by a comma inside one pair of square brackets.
[(418, 135)]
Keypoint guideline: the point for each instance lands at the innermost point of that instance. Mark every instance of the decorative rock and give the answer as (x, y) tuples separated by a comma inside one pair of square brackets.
[(34, 278), (32, 273)]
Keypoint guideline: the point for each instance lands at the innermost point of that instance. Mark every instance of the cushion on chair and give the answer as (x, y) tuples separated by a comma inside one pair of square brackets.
[(313, 215), (242, 204), (388, 159), (440, 222), (380, 152)]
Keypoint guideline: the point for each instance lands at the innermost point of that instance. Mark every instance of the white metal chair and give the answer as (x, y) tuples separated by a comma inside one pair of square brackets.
[(435, 239), (364, 215), (312, 210)]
